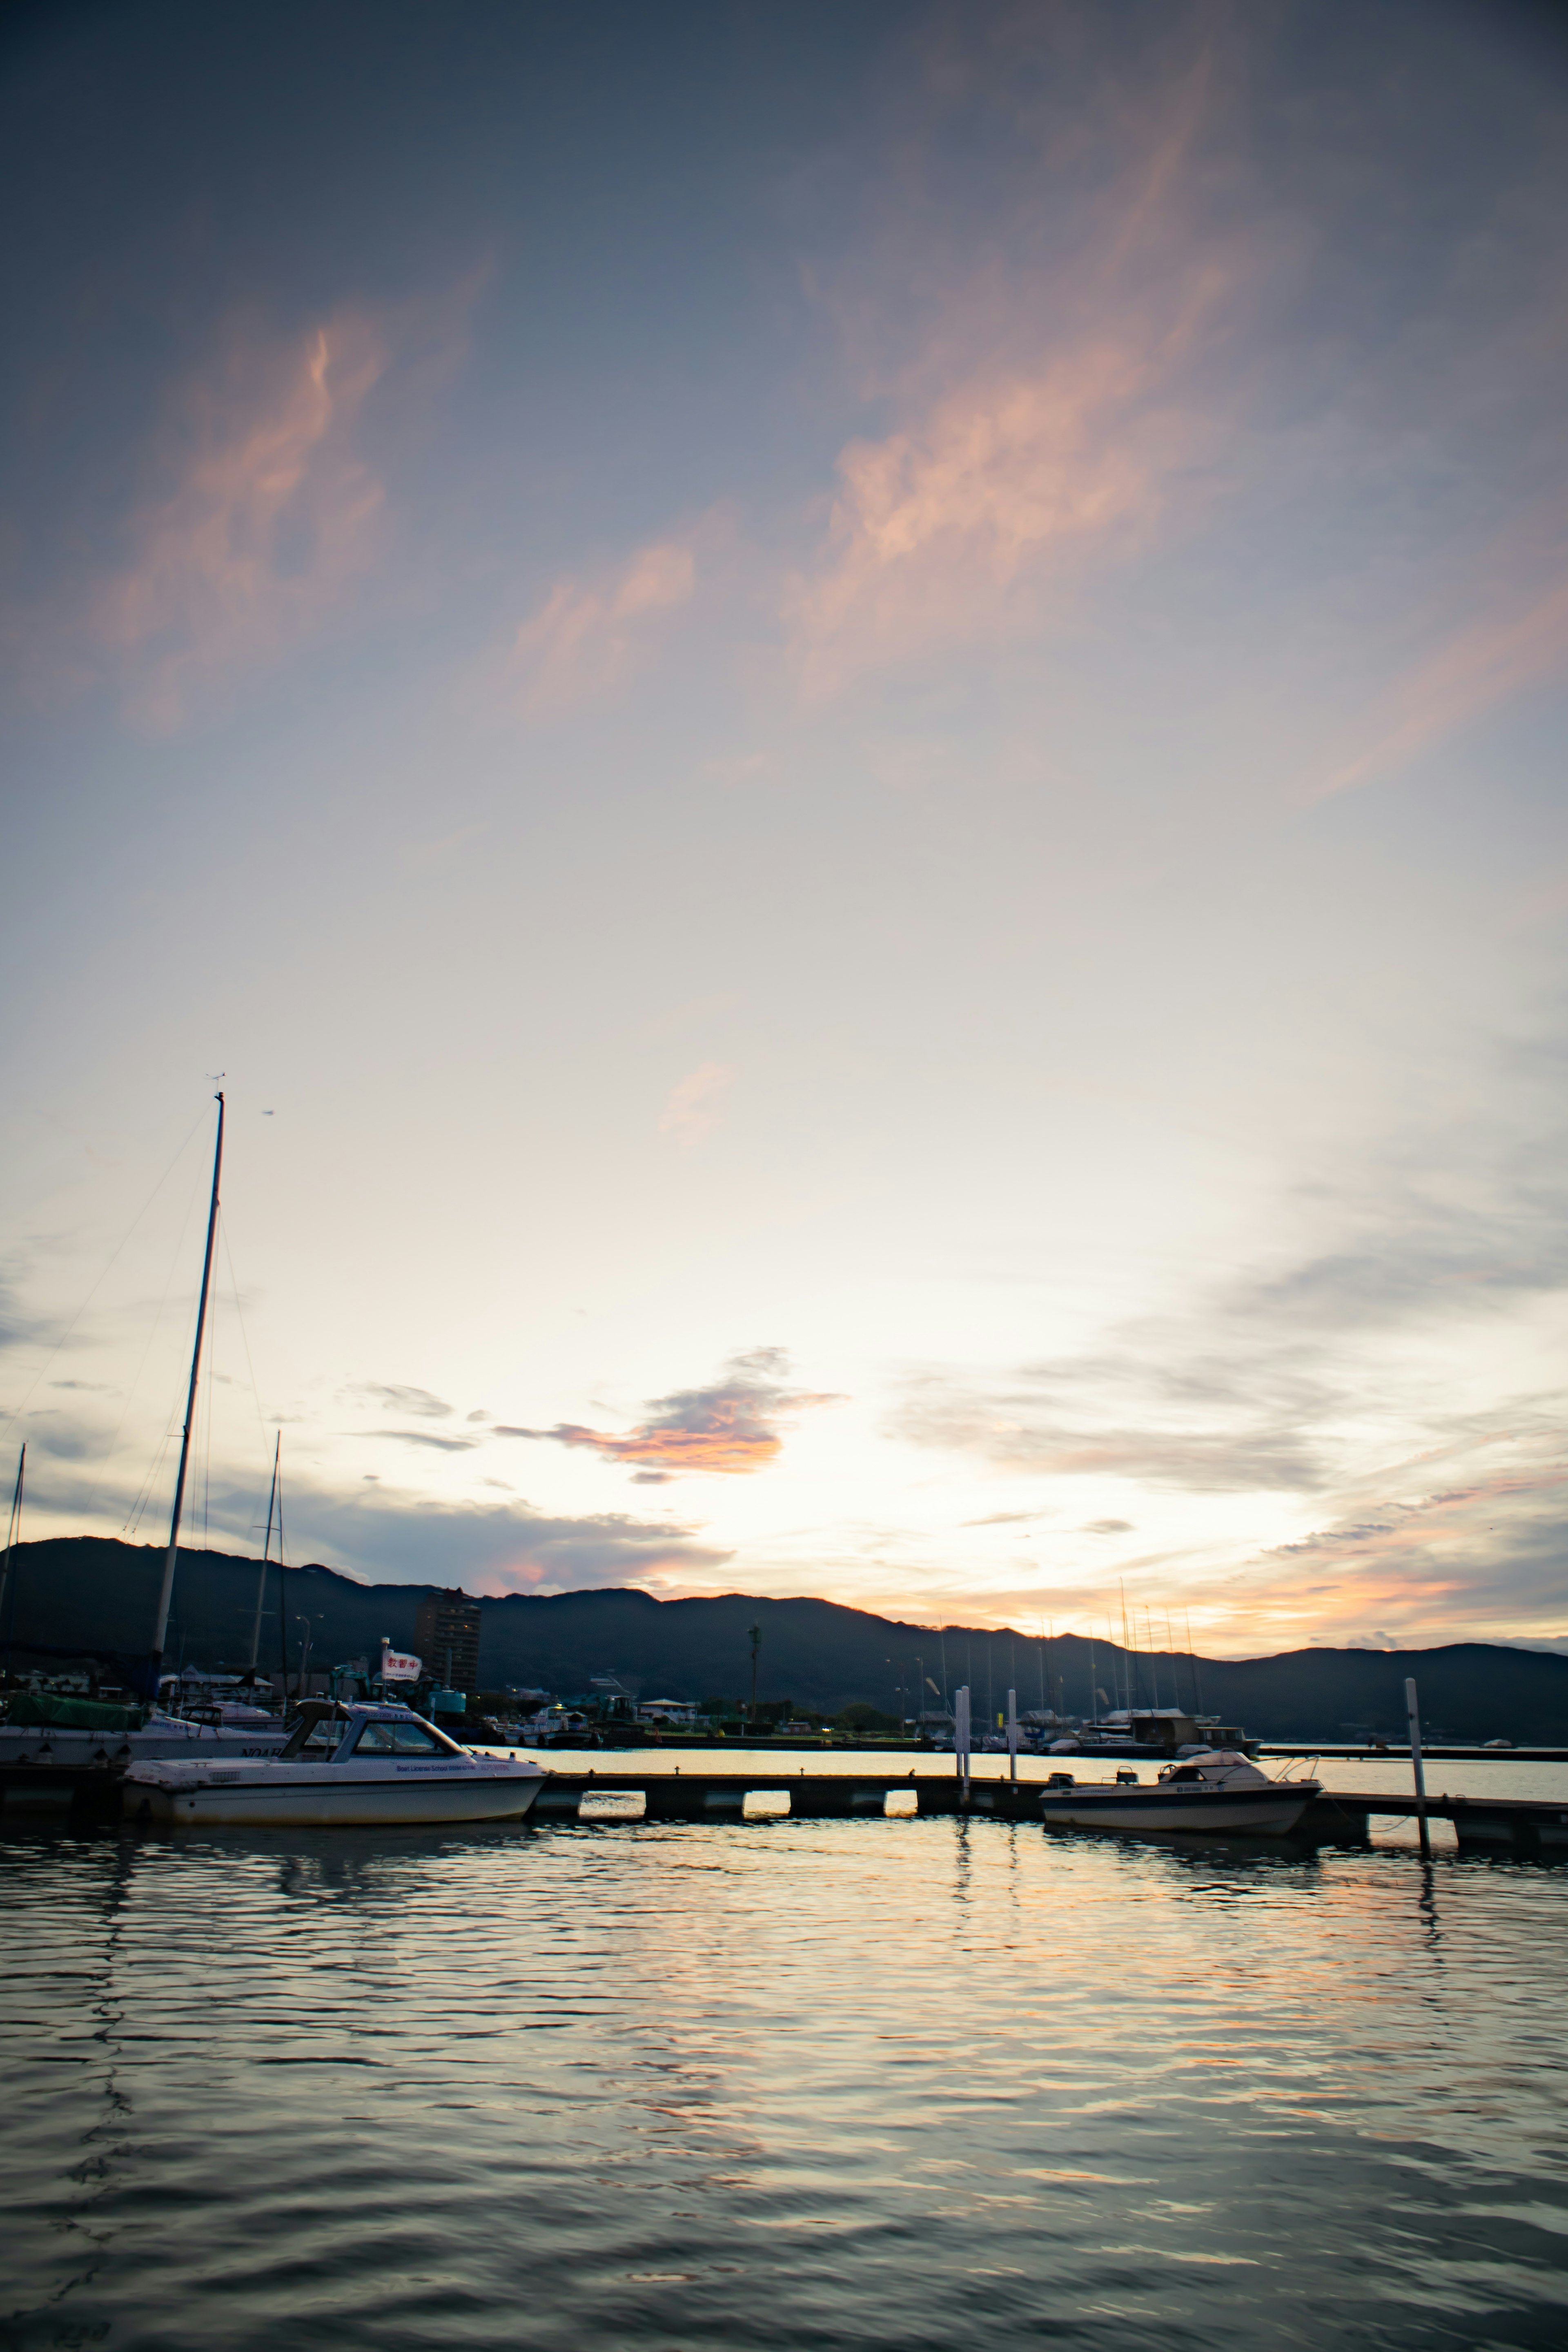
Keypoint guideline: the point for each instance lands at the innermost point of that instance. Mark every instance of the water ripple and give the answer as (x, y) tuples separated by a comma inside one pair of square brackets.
[(795, 2084)]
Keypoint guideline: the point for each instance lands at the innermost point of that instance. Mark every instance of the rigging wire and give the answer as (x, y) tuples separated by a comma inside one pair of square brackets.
[(49, 1360), (244, 1341), (239, 1315), (144, 1493), (142, 1503), (156, 1324)]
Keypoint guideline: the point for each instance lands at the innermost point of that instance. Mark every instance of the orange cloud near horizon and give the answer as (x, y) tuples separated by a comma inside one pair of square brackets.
[(728, 1427), (730, 1447)]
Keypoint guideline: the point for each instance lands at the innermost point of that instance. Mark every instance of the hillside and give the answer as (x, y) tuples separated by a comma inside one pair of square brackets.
[(86, 1595)]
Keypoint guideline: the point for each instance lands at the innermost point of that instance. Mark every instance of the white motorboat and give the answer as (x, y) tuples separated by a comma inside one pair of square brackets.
[(73, 1746), (1217, 1789), (341, 1764)]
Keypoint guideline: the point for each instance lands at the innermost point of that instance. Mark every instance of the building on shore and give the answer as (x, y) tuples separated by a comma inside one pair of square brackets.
[(446, 1636)]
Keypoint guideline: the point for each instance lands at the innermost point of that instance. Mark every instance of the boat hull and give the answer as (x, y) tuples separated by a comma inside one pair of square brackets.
[(318, 1803), (59, 1744), (1272, 1811)]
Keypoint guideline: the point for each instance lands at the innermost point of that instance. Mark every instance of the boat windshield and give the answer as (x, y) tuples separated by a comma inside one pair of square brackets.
[(311, 1740), (403, 1739)]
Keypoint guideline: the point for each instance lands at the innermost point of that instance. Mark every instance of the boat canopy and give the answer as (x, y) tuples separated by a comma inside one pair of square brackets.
[(341, 1729), (1226, 1764)]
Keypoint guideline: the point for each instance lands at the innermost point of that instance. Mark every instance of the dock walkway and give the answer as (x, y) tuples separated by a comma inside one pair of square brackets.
[(1519, 1826)]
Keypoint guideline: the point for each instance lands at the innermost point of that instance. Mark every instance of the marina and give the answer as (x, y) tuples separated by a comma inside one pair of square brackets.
[(787, 851), (657, 1788)]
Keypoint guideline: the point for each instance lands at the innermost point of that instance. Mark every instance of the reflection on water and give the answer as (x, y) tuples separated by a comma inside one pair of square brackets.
[(780, 2084)]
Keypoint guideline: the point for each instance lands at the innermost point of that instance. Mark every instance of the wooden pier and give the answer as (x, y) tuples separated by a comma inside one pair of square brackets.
[(1525, 1828)]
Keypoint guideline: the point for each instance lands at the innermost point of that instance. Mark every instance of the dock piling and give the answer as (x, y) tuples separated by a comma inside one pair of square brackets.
[(1414, 1712)]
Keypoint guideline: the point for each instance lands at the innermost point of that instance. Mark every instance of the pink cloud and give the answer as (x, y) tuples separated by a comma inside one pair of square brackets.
[(938, 530), (271, 517), (728, 1427), (585, 640), (693, 1108), (1051, 406), (1519, 643)]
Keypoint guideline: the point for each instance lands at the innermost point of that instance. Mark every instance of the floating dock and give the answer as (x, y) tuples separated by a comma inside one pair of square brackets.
[(1524, 1826), (1508, 1825), (1529, 1828)]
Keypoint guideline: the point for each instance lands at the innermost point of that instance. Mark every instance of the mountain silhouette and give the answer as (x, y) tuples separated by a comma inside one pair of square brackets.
[(85, 1596)]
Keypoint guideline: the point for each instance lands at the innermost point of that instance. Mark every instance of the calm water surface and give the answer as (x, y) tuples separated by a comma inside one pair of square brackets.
[(915, 2084)]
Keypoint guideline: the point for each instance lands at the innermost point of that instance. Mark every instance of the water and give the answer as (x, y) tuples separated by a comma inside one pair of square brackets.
[(799, 2083)]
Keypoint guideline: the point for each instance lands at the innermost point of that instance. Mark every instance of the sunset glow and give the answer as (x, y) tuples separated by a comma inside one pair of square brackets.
[(853, 720)]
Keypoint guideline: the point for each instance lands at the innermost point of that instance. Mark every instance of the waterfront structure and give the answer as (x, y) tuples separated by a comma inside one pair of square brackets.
[(446, 1636), (678, 1714)]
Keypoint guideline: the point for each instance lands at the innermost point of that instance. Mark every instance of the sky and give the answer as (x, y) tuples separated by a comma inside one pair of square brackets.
[(847, 726)]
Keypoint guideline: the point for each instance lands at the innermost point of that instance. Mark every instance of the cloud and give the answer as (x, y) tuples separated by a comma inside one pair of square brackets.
[(1469, 1561), (693, 1110), (729, 1428), (399, 1399), (68, 1442), (1208, 1425), (585, 640), (1337, 1383), (18, 1328), (939, 531), (1056, 394), (381, 1532), (270, 517), (1297, 1377), (1521, 641), (1417, 1258), (424, 1437)]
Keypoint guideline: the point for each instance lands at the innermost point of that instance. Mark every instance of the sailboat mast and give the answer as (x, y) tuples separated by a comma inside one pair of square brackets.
[(13, 1530), (265, 1556), (166, 1589), (283, 1593)]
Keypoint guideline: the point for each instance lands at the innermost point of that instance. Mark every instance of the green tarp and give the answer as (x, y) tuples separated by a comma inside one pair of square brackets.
[(73, 1713)]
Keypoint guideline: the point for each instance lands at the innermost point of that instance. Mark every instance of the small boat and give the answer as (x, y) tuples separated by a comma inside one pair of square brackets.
[(341, 1764), (76, 1734), (1217, 1789)]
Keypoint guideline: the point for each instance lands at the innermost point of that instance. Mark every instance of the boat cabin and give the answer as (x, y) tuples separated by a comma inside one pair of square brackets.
[(1207, 1766), (329, 1731)]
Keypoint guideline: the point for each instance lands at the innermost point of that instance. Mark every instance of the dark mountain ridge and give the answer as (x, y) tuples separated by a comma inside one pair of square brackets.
[(87, 1595)]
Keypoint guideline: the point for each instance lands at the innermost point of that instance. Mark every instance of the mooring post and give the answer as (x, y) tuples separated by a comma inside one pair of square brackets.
[(1414, 1714), (1013, 1736), (960, 1740)]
